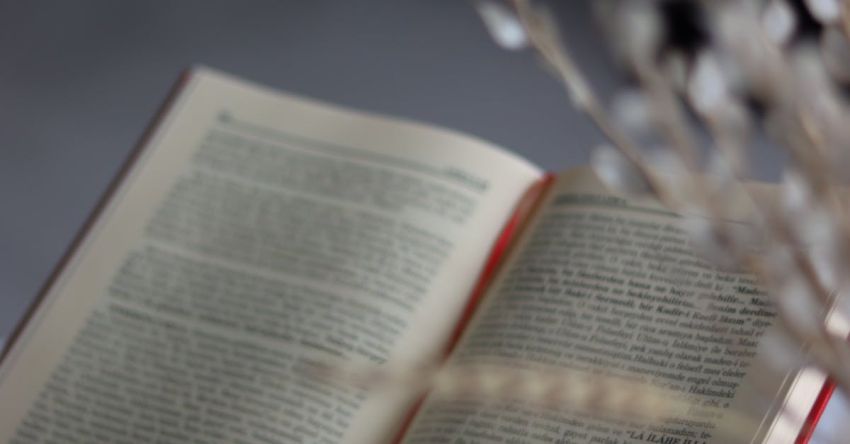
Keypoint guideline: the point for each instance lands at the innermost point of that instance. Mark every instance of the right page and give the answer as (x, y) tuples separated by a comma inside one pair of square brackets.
[(610, 286)]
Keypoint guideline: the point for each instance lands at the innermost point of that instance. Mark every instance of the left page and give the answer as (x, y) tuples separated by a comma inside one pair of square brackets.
[(252, 230)]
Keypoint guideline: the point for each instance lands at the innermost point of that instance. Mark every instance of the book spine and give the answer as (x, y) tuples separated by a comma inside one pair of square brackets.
[(516, 224), (526, 207)]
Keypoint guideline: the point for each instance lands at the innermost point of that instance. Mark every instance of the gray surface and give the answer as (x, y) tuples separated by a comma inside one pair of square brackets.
[(80, 80)]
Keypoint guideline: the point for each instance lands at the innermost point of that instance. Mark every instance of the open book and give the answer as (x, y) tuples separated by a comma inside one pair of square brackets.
[(251, 229)]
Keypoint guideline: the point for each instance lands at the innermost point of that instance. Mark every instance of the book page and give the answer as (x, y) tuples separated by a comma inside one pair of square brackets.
[(254, 231), (607, 286)]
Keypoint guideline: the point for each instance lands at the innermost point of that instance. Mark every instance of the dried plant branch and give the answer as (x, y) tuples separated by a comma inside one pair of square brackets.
[(803, 109), (535, 387), (545, 38), (790, 94)]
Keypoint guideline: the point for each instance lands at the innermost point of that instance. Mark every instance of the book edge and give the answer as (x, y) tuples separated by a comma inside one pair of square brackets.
[(408, 123), (815, 414), (94, 215)]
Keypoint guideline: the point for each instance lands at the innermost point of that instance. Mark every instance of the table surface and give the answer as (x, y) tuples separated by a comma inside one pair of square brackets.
[(80, 80)]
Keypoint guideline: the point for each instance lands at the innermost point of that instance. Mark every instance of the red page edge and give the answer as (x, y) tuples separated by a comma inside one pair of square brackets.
[(498, 252), (513, 227), (816, 413)]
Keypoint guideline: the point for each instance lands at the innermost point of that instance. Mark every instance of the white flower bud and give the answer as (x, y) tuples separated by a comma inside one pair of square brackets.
[(815, 227), (577, 390), (779, 21), (825, 11), (617, 172), (447, 382), (827, 261), (707, 87), (632, 110), (503, 25), (642, 30), (759, 63), (533, 387), (490, 381), (796, 300), (797, 196)]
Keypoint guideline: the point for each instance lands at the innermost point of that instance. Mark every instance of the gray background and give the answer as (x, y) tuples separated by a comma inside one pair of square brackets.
[(79, 80)]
